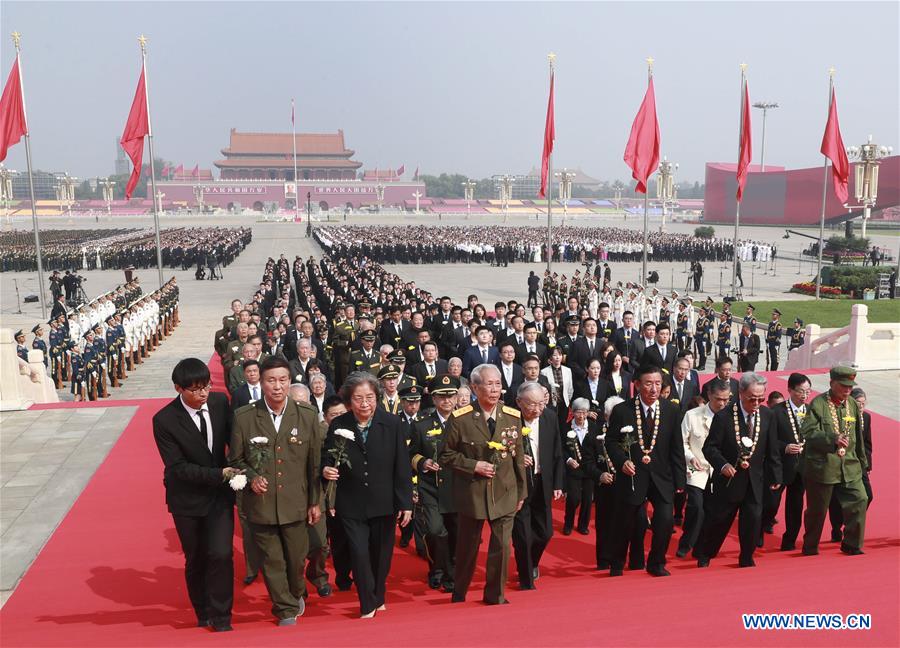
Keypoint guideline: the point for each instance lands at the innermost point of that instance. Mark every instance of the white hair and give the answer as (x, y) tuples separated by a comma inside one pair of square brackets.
[(609, 403)]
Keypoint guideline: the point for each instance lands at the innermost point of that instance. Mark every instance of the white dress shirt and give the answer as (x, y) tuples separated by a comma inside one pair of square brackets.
[(276, 417), (534, 439), (255, 392), (196, 419)]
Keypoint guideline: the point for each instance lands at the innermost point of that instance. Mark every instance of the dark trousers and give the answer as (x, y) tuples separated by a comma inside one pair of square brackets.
[(340, 552), (719, 515), (852, 500), (773, 358), (579, 493), (439, 533), (836, 515), (604, 508), (679, 501), (661, 526), (208, 565), (793, 509), (284, 548), (252, 557), (497, 559), (371, 544), (317, 555), (693, 519), (531, 532)]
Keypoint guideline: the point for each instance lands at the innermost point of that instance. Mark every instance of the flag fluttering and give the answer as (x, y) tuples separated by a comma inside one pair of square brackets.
[(196, 172), (12, 112), (642, 149), (165, 170), (549, 138), (179, 171), (746, 152), (416, 174), (136, 128), (401, 170), (833, 149)]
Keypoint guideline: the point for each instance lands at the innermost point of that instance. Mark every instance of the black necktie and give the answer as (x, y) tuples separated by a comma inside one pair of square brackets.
[(679, 386), (648, 427), (492, 425), (203, 431), (591, 347)]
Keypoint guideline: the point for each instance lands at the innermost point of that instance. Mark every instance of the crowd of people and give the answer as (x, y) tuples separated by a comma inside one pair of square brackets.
[(502, 245), (93, 345), (82, 249), (360, 402)]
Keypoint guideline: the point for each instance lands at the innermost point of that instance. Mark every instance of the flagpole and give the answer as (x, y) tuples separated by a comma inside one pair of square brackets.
[(37, 235), (643, 276), (296, 182), (550, 57), (737, 211), (143, 41), (824, 196)]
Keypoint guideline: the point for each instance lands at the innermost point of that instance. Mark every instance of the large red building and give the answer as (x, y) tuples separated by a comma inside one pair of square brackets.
[(270, 156)]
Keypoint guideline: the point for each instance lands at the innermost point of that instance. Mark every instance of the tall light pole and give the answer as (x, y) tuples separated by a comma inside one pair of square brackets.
[(379, 195), (107, 185), (565, 190), (765, 106), (159, 204), (617, 188), (469, 192), (866, 178), (665, 187), (65, 191), (198, 196), (506, 183), (6, 191), (417, 195)]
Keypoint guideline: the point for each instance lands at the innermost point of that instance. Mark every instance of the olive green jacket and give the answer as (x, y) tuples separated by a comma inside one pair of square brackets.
[(820, 461)]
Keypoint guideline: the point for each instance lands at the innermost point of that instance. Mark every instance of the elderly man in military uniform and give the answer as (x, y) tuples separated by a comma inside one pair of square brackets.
[(282, 500), (834, 461), (435, 514), (483, 447), (774, 331)]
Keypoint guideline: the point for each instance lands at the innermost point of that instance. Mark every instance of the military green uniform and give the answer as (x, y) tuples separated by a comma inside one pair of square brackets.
[(342, 338), (370, 364), (277, 518), (478, 498), (825, 471)]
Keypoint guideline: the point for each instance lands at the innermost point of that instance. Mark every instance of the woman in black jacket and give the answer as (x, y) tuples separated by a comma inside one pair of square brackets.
[(579, 485)]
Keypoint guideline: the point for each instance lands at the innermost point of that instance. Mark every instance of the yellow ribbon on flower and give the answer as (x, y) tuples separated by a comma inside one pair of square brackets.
[(493, 445), (434, 432), (415, 479)]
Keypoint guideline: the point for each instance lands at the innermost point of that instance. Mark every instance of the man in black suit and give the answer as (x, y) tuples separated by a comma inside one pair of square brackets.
[(531, 373), (394, 328), (531, 346), (251, 390), (653, 467), (625, 339), (583, 349), (191, 434), (533, 524), (644, 342), (425, 371), (748, 349), (510, 371), (788, 421), (724, 367), (683, 390), (59, 307), (481, 353), (744, 460), (661, 353), (373, 486)]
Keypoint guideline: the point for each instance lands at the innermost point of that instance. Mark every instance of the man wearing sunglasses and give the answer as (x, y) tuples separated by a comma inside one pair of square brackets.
[(191, 434)]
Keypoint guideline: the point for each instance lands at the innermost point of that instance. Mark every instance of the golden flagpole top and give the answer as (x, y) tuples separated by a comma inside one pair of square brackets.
[(743, 67), (143, 41), (552, 58), (16, 36), (650, 62), (831, 71)]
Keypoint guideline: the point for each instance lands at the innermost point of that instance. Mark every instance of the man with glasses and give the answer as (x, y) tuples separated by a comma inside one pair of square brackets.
[(742, 448), (191, 434)]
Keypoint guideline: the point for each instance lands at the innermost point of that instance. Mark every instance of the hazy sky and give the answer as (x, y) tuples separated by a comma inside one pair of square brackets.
[(458, 86)]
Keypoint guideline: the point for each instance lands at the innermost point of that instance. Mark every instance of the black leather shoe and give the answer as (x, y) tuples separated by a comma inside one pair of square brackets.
[(567, 531), (403, 543), (249, 579), (457, 598), (702, 562), (747, 563), (760, 542), (325, 591), (529, 586), (584, 531), (837, 536), (810, 552), (636, 566), (681, 553), (503, 602), (658, 571), (851, 551), (344, 586), (434, 582), (221, 627), (788, 546), (769, 529), (448, 586), (615, 571), (202, 623)]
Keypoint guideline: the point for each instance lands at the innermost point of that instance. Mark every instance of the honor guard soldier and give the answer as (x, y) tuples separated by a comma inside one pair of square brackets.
[(701, 332), (77, 372), (366, 358), (39, 344), (57, 340), (390, 398), (834, 461), (21, 349), (798, 335), (682, 333), (750, 319), (435, 515), (723, 339), (773, 340)]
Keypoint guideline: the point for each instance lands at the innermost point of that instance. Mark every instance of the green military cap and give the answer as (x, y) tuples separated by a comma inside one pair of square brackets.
[(397, 357), (844, 375), (367, 335), (411, 393), (444, 384), (750, 307), (775, 311), (389, 371)]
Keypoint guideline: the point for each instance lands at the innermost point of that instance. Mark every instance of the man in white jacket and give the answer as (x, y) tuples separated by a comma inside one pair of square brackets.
[(694, 430)]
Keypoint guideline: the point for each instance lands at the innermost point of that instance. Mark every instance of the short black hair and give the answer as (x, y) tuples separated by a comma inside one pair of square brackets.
[(723, 359), (190, 372), (645, 369), (647, 324), (250, 363), (797, 379), (330, 402), (662, 326), (273, 362)]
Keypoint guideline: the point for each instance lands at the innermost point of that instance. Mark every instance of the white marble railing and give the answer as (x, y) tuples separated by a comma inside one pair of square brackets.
[(22, 383)]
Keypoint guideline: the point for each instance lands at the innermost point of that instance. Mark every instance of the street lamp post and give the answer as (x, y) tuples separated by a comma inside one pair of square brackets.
[(665, 187), (198, 196), (765, 106), (417, 195), (565, 190), (160, 195), (379, 195), (506, 183), (6, 192), (65, 192), (108, 185), (617, 187), (469, 192), (866, 178)]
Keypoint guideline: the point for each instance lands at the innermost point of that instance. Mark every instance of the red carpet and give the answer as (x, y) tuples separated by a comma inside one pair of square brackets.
[(112, 575)]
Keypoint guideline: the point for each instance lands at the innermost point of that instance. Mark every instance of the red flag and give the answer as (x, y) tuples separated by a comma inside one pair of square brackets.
[(401, 170), (136, 128), (416, 174), (165, 170), (179, 171), (642, 149), (833, 149), (746, 152), (549, 138), (12, 112), (196, 172)]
